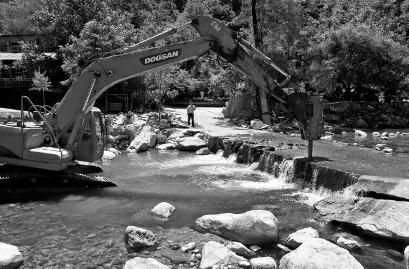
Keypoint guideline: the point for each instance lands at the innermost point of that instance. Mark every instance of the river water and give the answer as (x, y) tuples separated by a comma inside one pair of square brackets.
[(86, 229)]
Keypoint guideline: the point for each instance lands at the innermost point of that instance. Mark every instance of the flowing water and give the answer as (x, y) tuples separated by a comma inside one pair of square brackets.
[(85, 230)]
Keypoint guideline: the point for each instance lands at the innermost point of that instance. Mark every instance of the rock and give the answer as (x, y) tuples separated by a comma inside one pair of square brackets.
[(174, 256), (108, 155), (374, 217), (175, 136), (406, 254), (332, 117), (110, 139), (348, 244), (380, 147), (146, 136), (114, 150), (263, 263), (10, 256), (294, 240), (360, 133), (256, 124), (241, 250), (161, 138), (214, 254), (283, 248), (200, 135), (214, 143), (203, 151), (318, 253), (164, 210), (387, 150), (252, 227), (190, 144), (188, 246), (144, 263), (167, 146), (140, 147), (361, 123), (190, 132), (255, 248), (376, 134), (137, 238), (384, 138), (244, 264), (339, 107)]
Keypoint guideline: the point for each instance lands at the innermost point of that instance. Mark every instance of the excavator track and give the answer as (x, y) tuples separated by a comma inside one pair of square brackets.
[(18, 181)]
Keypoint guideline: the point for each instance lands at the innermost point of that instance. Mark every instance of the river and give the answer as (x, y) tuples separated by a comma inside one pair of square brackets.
[(86, 229)]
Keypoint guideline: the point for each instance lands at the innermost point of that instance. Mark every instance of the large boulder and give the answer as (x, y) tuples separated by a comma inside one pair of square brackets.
[(263, 263), (137, 238), (294, 240), (384, 218), (318, 253), (161, 138), (146, 136), (164, 210), (241, 250), (215, 254), (144, 263), (190, 144), (252, 227), (10, 256)]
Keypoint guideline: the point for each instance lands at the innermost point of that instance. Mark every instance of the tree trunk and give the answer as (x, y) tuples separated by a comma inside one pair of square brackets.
[(258, 42), (43, 97), (258, 39)]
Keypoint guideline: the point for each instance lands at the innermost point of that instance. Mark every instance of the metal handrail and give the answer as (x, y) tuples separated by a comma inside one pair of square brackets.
[(42, 117)]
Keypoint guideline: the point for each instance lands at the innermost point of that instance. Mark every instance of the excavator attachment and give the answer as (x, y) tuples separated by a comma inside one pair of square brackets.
[(308, 110)]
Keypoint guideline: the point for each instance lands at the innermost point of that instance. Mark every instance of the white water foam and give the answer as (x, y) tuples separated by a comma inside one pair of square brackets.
[(215, 171), (310, 197)]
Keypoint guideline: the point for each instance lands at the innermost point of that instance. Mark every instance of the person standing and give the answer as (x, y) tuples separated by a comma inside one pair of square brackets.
[(191, 113)]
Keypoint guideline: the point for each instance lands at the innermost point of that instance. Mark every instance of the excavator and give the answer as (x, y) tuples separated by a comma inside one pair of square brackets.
[(64, 139)]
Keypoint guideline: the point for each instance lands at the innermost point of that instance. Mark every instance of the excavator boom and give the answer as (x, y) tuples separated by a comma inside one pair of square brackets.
[(76, 128)]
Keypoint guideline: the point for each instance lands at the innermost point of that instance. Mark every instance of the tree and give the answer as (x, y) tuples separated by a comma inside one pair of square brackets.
[(14, 16), (97, 38), (41, 83), (359, 63)]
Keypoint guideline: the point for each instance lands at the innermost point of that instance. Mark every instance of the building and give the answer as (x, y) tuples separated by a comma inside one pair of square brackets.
[(11, 52)]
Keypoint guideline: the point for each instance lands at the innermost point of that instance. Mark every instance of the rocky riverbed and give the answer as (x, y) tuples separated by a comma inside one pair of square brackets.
[(182, 209)]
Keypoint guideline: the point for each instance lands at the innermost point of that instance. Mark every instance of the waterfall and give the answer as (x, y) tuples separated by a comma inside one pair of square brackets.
[(286, 170), (232, 158)]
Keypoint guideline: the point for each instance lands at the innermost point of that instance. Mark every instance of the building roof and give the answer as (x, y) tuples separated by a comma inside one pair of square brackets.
[(10, 56), (18, 56)]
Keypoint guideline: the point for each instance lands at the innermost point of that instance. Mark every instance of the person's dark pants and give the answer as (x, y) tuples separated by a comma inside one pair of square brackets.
[(191, 116)]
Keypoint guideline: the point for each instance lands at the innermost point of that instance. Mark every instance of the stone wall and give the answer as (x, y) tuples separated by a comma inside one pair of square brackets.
[(368, 114)]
